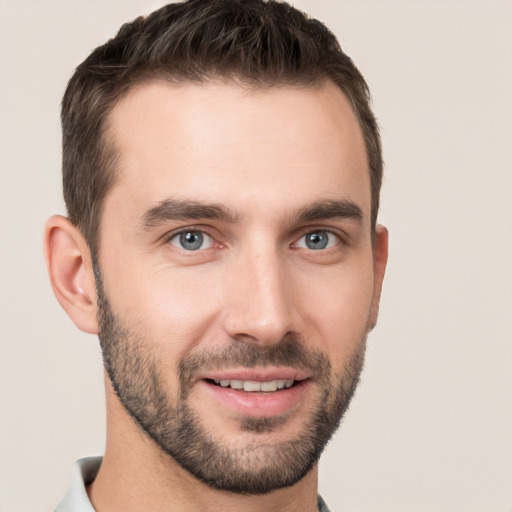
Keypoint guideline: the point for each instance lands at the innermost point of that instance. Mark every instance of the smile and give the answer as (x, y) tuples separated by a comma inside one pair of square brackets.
[(254, 386), (258, 395)]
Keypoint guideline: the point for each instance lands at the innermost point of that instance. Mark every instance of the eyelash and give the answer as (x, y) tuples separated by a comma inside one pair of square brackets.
[(332, 237), (204, 235), (212, 242)]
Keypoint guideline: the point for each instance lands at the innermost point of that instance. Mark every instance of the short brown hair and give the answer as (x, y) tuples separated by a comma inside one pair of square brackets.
[(255, 42)]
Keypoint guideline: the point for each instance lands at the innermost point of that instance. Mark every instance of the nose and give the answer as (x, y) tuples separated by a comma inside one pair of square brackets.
[(259, 305)]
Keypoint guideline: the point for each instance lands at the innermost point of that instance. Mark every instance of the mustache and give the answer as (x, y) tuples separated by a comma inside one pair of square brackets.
[(289, 351)]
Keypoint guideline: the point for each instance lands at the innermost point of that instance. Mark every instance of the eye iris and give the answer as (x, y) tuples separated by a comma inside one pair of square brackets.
[(191, 240), (317, 240)]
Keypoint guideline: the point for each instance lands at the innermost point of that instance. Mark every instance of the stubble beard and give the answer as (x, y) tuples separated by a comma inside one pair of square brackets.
[(258, 467)]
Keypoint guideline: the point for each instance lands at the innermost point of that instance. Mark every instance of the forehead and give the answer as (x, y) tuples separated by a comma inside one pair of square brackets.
[(250, 149)]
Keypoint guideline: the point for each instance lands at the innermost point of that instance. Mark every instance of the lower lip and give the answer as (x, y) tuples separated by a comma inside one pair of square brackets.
[(259, 405)]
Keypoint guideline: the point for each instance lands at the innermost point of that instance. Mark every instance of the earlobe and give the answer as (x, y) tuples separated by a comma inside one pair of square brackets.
[(69, 265), (380, 259)]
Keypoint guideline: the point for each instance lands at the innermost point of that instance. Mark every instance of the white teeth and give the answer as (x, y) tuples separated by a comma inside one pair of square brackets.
[(237, 384), (252, 386), (269, 386)]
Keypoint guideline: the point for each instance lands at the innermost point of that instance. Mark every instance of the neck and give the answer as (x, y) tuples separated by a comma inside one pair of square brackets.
[(136, 475)]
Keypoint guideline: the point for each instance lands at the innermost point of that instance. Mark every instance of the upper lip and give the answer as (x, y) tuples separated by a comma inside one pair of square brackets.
[(256, 374)]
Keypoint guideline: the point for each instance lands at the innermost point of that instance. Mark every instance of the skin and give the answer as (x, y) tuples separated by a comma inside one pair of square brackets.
[(264, 155)]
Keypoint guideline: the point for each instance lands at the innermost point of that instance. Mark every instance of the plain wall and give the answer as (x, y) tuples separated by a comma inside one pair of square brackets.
[(430, 428)]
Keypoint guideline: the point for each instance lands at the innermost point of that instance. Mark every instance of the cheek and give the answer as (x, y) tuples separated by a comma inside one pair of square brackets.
[(172, 308), (337, 310)]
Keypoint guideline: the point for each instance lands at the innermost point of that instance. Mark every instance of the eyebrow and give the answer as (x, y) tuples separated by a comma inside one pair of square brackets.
[(341, 209), (175, 209)]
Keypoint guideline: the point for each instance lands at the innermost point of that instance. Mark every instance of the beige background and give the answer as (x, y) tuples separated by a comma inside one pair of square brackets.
[(431, 427)]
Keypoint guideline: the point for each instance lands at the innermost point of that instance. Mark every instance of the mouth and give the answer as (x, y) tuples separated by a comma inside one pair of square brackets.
[(258, 392), (251, 386)]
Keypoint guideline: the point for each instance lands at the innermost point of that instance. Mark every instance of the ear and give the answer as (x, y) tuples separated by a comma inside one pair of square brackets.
[(69, 264), (380, 259)]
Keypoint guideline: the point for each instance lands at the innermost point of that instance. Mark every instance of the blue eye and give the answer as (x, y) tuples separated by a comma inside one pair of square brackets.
[(191, 240), (318, 240)]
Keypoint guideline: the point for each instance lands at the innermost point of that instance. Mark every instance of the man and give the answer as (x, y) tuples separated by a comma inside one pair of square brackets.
[(221, 170)]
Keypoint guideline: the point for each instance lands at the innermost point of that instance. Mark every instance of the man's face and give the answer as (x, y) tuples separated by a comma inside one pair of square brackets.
[(237, 274)]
